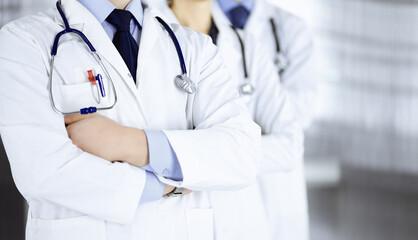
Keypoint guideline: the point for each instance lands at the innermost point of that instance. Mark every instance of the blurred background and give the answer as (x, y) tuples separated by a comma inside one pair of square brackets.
[(362, 150)]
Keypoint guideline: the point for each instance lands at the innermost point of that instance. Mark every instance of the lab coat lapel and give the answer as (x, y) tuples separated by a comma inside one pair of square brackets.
[(146, 50), (77, 14), (151, 61), (150, 31), (219, 16), (227, 39), (258, 19)]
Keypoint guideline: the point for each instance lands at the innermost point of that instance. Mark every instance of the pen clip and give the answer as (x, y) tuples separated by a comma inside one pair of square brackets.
[(92, 80), (99, 79)]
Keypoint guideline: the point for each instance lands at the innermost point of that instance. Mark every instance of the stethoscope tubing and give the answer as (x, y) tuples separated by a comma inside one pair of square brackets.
[(276, 37), (281, 60), (244, 58), (68, 29), (247, 88), (93, 51), (176, 44), (187, 85)]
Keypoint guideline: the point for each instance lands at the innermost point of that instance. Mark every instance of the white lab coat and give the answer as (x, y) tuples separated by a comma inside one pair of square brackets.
[(287, 204), (75, 195), (241, 214)]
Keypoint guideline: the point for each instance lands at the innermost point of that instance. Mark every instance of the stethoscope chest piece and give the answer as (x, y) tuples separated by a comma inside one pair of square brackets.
[(247, 89), (185, 84), (281, 62), (182, 81)]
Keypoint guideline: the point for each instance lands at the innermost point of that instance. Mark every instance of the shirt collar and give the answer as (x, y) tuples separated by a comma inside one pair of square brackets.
[(101, 9), (228, 5), (135, 7)]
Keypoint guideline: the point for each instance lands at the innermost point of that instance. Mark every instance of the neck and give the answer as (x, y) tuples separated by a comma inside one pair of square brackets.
[(120, 4), (193, 14)]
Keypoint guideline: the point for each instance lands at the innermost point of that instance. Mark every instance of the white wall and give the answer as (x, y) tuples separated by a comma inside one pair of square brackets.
[(368, 90), (34, 6), (13, 9)]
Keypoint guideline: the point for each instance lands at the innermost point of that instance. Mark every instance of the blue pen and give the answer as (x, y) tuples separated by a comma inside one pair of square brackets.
[(99, 79)]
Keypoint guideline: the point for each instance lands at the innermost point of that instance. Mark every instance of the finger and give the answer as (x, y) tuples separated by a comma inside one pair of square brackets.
[(73, 118), (187, 191)]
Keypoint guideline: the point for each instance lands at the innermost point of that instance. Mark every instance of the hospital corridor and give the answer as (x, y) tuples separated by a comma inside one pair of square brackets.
[(360, 158)]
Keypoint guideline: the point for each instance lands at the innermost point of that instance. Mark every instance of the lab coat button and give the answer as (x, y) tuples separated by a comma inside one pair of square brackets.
[(165, 172), (129, 75)]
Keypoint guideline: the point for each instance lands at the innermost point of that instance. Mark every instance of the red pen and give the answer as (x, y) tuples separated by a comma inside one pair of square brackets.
[(92, 79)]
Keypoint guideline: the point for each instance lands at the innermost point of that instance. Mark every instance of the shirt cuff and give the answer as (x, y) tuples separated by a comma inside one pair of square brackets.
[(153, 189), (163, 160)]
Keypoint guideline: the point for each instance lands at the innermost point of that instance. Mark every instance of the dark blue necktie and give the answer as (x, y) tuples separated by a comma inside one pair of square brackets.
[(239, 16), (214, 32), (123, 39)]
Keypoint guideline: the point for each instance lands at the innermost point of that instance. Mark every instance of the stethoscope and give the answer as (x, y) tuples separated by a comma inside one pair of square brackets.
[(182, 81), (246, 88), (280, 60)]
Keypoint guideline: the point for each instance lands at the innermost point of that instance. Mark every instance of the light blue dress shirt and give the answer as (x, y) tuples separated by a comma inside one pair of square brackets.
[(101, 9), (163, 160), (228, 5)]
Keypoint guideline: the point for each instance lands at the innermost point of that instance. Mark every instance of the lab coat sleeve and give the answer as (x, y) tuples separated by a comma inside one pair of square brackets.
[(282, 139), (300, 77), (222, 152), (46, 166)]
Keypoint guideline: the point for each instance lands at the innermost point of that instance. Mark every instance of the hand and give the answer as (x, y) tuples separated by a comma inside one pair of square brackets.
[(107, 139), (187, 191), (168, 189)]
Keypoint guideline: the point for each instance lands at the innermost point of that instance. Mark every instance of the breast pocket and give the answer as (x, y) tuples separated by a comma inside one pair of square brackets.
[(199, 223), (87, 87), (80, 228)]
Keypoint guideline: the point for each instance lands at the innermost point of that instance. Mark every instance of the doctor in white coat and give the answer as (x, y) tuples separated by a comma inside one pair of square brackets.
[(241, 214), (102, 176), (289, 45)]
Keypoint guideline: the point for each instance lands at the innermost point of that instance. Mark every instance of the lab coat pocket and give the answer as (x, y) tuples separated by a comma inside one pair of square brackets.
[(77, 96), (199, 224), (80, 228), (80, 93)]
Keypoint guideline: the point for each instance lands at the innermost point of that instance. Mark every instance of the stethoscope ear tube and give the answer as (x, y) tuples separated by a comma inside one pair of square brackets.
[(68, 29), (61, 12)]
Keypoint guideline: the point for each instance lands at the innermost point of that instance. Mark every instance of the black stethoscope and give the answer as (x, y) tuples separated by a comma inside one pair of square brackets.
[(247, 88), (182, 80), (280, 60)]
